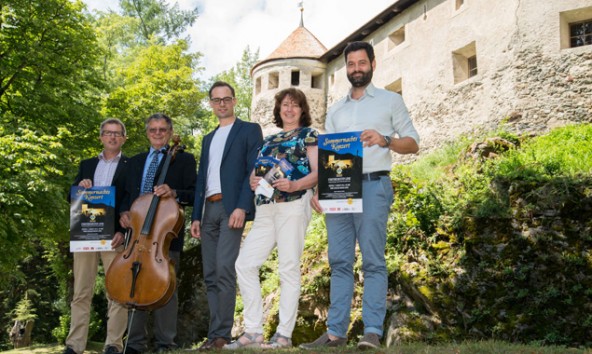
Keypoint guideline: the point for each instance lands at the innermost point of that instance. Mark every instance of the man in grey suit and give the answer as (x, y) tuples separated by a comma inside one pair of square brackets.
[(223, 202)]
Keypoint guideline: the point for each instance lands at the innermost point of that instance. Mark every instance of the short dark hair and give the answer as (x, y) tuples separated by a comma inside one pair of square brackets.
[(221, 84), (157, 116), (113, 121), (359, 45), (297, 96)]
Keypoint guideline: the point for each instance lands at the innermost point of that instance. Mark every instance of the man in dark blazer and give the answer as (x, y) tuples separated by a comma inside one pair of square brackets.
[(179, 183), (223, 202), (108, 169)]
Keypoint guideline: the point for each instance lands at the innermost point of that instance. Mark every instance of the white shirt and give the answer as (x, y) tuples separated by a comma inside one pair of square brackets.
[(213, 185), (105, 170), (377, 109)]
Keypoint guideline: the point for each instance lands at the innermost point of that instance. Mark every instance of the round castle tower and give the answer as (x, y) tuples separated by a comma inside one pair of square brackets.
[(295, 63)]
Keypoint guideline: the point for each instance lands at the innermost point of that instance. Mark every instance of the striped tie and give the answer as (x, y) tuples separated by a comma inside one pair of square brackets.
[(149, 179)]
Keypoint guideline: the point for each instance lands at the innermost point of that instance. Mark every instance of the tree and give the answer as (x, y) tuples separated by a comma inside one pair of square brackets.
[(156, 78), (157, 19), (239, 76), (48, 91), (48, 53)]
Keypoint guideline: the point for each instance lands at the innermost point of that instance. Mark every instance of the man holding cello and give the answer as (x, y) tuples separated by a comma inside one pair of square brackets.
[(145, 170)]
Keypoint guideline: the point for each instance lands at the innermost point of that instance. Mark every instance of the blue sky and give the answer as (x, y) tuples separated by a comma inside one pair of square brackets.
[(226, 27)]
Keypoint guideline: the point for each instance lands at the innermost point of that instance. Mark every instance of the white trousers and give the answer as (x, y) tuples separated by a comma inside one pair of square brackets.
[(282, 225)]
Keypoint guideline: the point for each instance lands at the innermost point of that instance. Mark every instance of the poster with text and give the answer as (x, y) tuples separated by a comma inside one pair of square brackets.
[(340, 172), (92, 217), (271, 169)]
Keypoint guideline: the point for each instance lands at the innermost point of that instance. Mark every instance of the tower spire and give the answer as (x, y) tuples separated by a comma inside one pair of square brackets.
[(301, 7)]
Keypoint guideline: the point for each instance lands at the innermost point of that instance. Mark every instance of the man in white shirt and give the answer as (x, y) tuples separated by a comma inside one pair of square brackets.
[(380, 115), (223, 202)]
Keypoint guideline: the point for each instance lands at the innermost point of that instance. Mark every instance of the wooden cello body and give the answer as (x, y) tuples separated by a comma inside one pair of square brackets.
[(143, 275)]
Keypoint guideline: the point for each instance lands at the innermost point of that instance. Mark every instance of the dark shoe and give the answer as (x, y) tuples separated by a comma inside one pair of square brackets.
[(369, 341), (129, 350), (69, 350), (324, 342), (164, 349), (111, 350)]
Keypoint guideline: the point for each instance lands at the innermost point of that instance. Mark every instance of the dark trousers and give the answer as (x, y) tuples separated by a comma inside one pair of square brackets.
[(219, 247), (164, 318)]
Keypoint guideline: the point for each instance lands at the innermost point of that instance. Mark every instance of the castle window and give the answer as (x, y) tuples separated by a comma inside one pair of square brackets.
[(274, 80), (458, 3), (258, 85), (575, 27), (295, 78), (395, 86), (472, 63), (332, 79), (396, 38), (464, 63), (580, 34), (317, 81)]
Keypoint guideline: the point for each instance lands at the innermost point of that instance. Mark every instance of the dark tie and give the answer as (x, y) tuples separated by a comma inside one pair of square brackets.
[(149, 179)]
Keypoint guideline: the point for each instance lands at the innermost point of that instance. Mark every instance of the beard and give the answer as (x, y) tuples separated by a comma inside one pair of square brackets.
[(362, 80)]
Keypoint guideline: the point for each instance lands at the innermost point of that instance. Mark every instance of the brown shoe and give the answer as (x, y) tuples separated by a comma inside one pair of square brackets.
[(219, 343), (213, 344), (207, 345)]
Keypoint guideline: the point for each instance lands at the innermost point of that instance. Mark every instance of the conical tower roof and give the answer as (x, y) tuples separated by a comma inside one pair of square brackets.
[(299, 44)]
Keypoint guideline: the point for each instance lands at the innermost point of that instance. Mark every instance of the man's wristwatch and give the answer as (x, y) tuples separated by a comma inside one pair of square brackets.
[(388, 140)]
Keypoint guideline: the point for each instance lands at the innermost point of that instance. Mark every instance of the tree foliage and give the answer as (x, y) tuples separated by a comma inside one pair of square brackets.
[(48, 52), (156, 78), (157, 19), (239, 76), (62, 71)]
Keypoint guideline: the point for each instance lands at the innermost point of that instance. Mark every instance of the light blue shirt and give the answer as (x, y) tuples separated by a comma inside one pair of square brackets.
[(378, 109)]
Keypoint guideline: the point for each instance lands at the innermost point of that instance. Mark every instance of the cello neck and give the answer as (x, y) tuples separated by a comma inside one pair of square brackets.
[(148, 221)]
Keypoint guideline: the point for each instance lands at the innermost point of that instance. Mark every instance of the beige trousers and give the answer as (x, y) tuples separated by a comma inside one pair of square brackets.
[(86, 266)]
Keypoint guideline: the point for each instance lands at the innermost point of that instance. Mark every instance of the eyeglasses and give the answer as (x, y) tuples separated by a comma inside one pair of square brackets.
[(157, 130), (112, 133), (217, 101)]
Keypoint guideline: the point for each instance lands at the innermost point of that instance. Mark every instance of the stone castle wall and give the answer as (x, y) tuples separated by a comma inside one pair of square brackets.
[(526, 77)]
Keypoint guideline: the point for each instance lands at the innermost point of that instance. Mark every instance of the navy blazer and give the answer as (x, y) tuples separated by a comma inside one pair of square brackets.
[(238, 160), (87, 169), (180, 176)]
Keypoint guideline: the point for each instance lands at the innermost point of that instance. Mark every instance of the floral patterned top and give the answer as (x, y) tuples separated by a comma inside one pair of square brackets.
[(292, 146)]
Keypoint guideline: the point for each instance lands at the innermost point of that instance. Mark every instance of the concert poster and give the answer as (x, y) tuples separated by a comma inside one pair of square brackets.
[(92, 217), (271, 169), (340, 172)]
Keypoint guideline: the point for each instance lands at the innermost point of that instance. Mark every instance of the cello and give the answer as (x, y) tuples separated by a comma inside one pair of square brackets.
[(143, 276)]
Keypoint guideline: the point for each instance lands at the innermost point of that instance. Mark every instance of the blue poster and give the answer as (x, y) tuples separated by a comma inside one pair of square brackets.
[(340, 172), (92, 218)]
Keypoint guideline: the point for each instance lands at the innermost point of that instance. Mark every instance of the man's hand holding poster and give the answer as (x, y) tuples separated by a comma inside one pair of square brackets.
[(92, 215), (340, 172)]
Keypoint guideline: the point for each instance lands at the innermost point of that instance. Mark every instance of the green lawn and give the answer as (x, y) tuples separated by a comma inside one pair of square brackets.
[(484, 347)]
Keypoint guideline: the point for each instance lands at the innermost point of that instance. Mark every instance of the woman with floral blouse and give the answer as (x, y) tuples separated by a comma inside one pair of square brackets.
[(282, 215)]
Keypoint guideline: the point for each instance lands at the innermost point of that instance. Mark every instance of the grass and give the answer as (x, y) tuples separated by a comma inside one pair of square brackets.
[(479, 347)]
